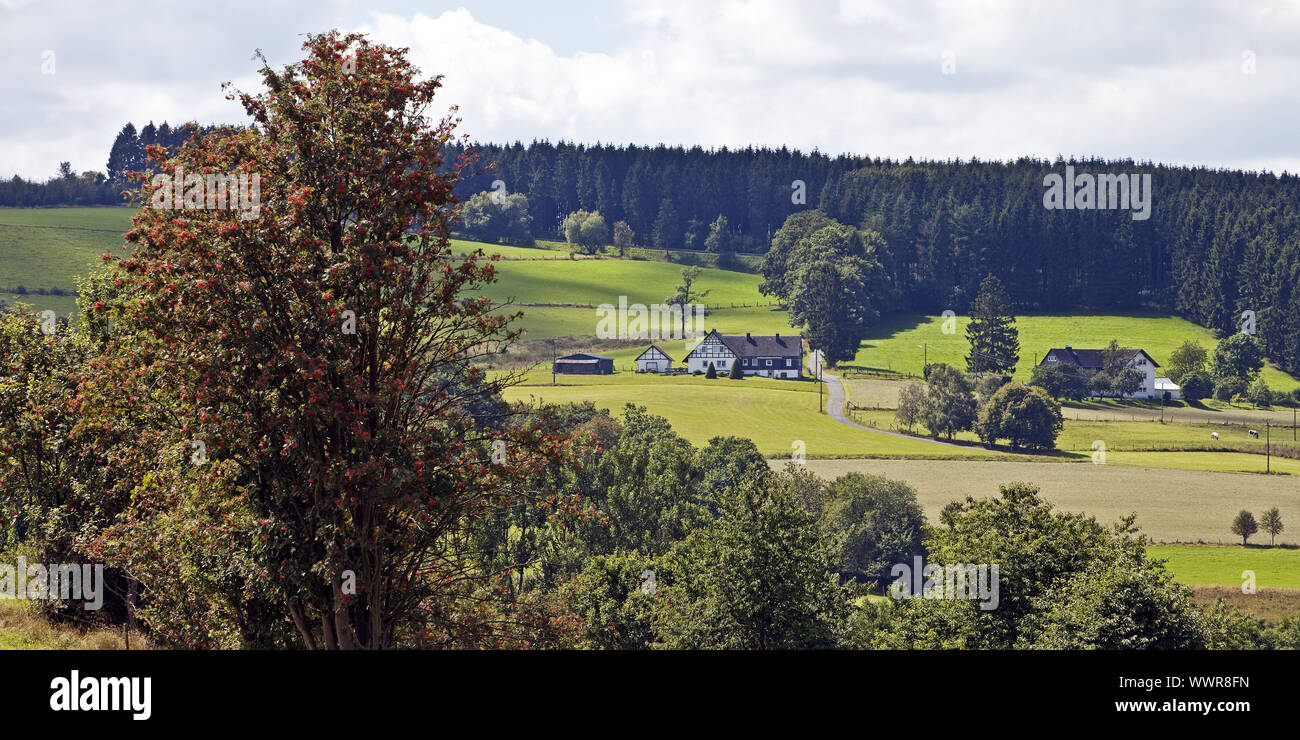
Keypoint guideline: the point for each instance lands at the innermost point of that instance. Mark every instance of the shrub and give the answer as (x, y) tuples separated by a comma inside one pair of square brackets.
[(712, 372)]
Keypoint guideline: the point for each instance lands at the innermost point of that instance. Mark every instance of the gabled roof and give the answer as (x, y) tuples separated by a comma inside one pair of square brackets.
[(760, 345), (757, 345), (1094, 359), (653, 346), (582, 357)]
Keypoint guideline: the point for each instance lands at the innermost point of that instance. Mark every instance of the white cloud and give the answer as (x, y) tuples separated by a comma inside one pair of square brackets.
[(1158, 81)]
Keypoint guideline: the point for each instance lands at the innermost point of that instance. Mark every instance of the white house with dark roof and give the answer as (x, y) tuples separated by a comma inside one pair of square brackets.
[(653, 360), (1092, 361), (770, 356)]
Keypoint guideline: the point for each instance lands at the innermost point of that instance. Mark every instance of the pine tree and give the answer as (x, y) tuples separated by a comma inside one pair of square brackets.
[(994, 339)]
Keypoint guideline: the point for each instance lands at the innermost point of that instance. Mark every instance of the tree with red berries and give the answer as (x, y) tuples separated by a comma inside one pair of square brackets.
[(319, 346)]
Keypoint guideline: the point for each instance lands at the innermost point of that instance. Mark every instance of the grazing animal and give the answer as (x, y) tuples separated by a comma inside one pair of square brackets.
[(1253, 433), (1214, 435)]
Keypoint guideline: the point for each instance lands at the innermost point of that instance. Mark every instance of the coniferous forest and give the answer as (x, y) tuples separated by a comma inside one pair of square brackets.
[(1217, 242)]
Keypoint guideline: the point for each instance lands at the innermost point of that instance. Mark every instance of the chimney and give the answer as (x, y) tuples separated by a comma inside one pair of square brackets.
[(749, 338)]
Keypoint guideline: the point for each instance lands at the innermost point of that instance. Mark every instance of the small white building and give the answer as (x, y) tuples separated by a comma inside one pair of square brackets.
[(1164, 385), (654, 360)]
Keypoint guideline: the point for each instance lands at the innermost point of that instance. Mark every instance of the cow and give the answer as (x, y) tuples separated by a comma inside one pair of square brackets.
[(1214, 435), (1253, 433)]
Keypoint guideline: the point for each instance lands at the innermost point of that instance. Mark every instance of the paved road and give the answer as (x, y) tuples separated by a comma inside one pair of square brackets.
[(835, 405)]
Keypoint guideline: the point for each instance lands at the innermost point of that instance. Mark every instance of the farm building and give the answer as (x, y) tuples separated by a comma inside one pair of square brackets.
[(1092, 361), (772, 356), (653, 360), (585, 364)]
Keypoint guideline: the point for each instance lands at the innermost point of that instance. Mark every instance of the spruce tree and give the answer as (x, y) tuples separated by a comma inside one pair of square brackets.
[(994, 340)]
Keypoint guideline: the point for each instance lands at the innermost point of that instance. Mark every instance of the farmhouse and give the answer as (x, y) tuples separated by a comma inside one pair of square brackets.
[(771, 356), (653, 360), (1093, 361), (585, 364)]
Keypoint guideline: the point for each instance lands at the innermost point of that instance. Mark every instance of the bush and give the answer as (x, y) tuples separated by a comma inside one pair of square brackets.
[(1023, 415), (1229, 388), (712, 372), (736, 373), (1259, 394), (1197, 385)]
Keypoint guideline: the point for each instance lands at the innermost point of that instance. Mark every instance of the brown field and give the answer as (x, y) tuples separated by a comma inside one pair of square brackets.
[(1269, 604), (1172, 505)]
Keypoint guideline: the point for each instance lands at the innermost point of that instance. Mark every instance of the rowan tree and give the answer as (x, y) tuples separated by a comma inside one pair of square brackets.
[(321, 351)]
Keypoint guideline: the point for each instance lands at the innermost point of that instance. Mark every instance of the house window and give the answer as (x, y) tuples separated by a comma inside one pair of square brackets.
[(769, 363), (788, 362)]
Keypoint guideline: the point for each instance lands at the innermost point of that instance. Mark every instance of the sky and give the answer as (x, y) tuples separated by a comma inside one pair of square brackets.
[(1192, 83)]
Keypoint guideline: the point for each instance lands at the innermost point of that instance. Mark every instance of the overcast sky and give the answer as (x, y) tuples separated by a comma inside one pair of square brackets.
[(1205, 83)]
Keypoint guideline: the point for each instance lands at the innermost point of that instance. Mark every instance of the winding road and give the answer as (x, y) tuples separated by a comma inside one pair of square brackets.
[(835, 404)]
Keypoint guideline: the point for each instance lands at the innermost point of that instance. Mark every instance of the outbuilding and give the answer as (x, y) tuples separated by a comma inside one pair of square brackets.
[(653, 360), (582, 363)]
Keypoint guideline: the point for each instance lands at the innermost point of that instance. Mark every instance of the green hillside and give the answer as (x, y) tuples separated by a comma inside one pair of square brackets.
[(902, 343)]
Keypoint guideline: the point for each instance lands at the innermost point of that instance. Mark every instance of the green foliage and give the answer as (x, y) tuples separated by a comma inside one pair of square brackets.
[(994, 341), (586, 231), (1228, 388), (1190, 357), (496, 218), (624, 237), (1127, 382), (1023, 415), (719, 240), (911, 403), (875, 522), (736, 373), (776, 266), (759, 577), (614, 596), (949, 405), (1244, 525), (1239, 357), (1196, 385), (1064, 581), (711, 372), (1060, 380), (1259, 393), (1271, 522)]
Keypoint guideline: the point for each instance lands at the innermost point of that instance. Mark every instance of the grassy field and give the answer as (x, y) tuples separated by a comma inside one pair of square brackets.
[(1202, 565), (1172, 505), (903, 343), (774, 413), (24, 629), (593, 282)]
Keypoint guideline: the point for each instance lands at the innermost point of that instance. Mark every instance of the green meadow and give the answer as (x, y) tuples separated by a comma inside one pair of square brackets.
[(1207, 565), (902, 344)]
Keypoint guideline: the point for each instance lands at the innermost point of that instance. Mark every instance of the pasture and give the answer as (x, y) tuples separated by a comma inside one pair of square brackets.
[(1206, 565), (901, 344), (1172, 505), (776, 414)]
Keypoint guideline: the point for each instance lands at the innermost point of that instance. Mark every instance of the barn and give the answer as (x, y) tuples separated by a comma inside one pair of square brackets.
[(582, 363), (653, 360)]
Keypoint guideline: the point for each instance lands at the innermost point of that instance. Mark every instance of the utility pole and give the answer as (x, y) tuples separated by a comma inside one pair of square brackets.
[(819, 381), (553, 359), (1268, 449)]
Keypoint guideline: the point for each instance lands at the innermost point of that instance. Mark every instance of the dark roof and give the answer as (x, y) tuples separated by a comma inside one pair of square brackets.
[(582, 357), (760, 345), (653, 346), (1093, 359)]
